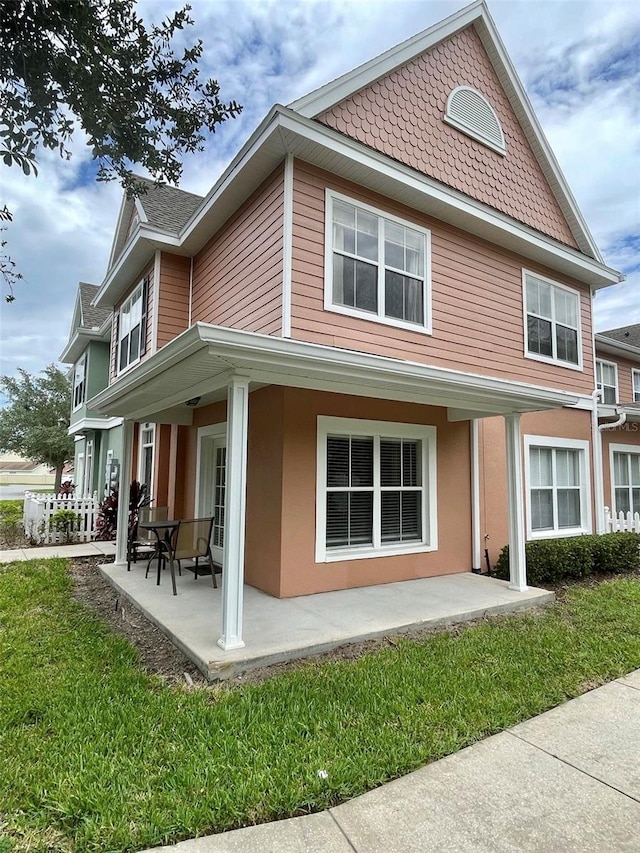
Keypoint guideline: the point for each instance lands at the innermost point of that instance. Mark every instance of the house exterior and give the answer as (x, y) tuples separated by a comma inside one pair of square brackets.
[(16, 469), (347, 345), (98, 439)]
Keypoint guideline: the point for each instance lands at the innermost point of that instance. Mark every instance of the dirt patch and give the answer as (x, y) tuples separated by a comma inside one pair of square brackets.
[(158, 654)]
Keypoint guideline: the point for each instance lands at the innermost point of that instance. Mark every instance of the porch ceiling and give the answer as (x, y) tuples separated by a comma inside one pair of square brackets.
[(200, 362)]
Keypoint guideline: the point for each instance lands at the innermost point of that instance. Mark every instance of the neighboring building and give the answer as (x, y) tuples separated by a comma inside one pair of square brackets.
[(98, 439), (16, 470), (334, 343)]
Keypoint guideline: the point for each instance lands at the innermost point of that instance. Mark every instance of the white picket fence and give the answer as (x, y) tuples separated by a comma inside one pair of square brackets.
[(38, 510), (621, 521)]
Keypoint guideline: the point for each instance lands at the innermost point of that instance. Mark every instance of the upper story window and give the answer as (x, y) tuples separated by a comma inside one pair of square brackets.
[(377, 266), (607, 381), (557, 475), (375, 489), (552, 313), (469, 111), (79, 382), (132, 327), (635, 385)]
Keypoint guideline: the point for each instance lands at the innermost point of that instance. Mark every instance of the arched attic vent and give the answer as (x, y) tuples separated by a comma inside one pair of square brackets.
[(469, 111)]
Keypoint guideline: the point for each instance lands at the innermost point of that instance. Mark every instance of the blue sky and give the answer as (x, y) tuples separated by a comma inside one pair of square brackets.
[(579, 61)]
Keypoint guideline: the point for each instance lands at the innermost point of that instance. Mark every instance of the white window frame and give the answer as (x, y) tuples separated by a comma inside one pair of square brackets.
[(354, 426), (424, 328), (147, 427), (586, 523), (550, 359), (88, 468), (600, 362), (77, 404), (619, 448), (635, 385), (138, 289)]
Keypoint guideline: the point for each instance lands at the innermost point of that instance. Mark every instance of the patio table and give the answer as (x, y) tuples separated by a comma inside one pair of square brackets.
[(165, 532)]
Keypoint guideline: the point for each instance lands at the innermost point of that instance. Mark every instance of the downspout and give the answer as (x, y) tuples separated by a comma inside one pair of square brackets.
[(615, 424), (598, 483), (190, 291)]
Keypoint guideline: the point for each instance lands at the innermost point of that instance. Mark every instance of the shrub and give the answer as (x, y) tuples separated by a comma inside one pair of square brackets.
[(66, 521), (11, 529), (552, 560)]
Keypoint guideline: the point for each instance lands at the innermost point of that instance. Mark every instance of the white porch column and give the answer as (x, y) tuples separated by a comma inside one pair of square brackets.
[(123, 492), (475, 497), (235, 511), (517, 557)]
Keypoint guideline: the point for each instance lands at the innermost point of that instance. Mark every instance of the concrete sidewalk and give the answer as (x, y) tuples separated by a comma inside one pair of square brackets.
[(567, 781), (83, 549)]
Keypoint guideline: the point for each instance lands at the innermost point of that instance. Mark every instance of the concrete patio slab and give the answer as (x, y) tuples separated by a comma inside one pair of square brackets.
[(499, 795), (316, 833), (598, 733), (284, 629), (81, 549)]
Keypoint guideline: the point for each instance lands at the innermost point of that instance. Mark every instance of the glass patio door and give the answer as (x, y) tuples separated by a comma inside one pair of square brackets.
[(212, 482)]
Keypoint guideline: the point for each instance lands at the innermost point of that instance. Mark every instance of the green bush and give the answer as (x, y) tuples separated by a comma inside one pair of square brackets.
[(11, 530), (551, 560), (66, 521)]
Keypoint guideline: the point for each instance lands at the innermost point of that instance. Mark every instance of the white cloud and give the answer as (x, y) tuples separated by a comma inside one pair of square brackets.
[(575, 59)]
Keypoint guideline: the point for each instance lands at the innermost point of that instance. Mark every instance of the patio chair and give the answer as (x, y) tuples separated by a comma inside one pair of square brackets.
[(193, 542), (144, 541)]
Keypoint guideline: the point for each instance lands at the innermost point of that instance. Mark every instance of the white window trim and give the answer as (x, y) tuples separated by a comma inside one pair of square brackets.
[(130, 298), (535, 356), (141, 445), (600, 384), (76, 406), (635, 374), (387, 429), (618, 448), (426, 328), (586, 522), (214, 431)]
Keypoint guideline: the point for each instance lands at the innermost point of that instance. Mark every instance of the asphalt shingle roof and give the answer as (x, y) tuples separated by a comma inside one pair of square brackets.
[(629, 335), (168, 207), (91, 317)]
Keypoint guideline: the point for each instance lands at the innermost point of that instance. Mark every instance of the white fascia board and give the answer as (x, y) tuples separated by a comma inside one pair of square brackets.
[(94, 423), (327, 96), (582, 266), (116, 234), (78, 344), (138, 252), (543, 152), (612, 347)]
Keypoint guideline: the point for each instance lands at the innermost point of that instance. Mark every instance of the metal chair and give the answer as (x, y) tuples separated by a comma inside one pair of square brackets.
[(144, 541), (193, 542)]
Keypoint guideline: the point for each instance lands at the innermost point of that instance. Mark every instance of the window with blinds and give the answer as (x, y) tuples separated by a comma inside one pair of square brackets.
[(373, 490), (626, 481), (378, 265), (557, 483)]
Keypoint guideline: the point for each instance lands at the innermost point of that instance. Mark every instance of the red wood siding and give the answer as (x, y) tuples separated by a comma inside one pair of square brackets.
[(476, 298), (173, 298), (237, 277), (402, 115)]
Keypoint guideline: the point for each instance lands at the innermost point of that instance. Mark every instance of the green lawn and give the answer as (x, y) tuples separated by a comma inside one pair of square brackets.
[(97, 756)]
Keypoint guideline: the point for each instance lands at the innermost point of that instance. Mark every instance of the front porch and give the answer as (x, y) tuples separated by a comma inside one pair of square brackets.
[(279, 630)]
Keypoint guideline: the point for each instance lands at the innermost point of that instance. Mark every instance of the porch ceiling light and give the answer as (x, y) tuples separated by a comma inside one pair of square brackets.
[(193, 402)]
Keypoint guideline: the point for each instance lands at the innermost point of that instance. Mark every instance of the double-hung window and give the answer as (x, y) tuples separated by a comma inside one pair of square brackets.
[(635, 385), (607, 381), (131, 328), (552, 315), (626, 478), (377, 265), (375, 489), (146, 452), (558, 500), (79, 382)]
